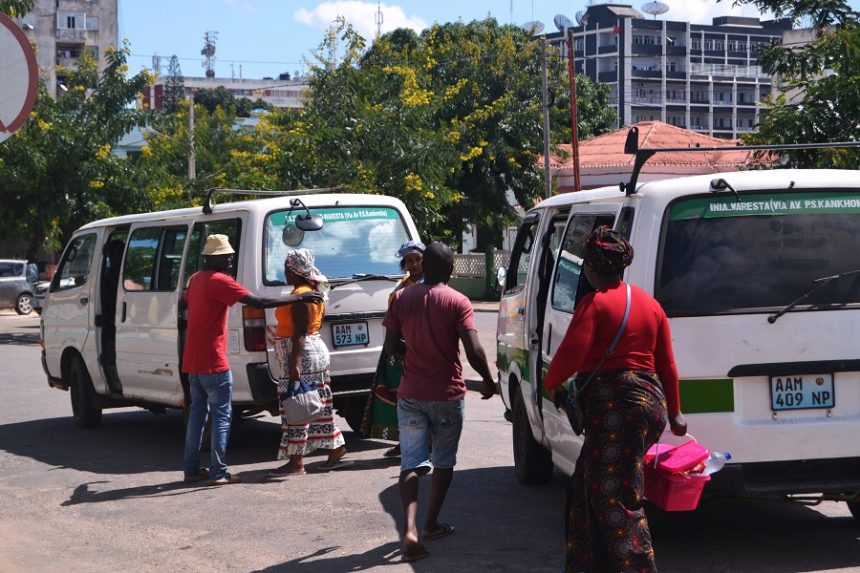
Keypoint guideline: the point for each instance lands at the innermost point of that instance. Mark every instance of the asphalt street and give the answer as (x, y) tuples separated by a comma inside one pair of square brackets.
[(111, 499)]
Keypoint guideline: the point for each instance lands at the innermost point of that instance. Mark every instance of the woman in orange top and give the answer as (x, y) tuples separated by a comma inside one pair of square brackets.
[(303, 355)]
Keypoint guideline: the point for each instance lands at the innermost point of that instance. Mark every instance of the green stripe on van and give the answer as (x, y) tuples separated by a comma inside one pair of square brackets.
[(701, 396)]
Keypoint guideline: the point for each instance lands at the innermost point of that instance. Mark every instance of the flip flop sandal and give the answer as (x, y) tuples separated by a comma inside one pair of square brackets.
[(445, 529), (327, 467), (420, 553)]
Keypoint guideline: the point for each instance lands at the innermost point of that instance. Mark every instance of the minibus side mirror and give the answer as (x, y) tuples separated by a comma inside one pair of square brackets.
[(501, 276), (309, 222)]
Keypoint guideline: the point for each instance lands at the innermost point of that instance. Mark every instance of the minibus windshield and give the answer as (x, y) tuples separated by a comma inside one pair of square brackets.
[(722, 255), (354, 242)]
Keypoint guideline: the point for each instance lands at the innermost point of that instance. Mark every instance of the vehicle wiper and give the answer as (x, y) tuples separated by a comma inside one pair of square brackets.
[(818, 284), (363, 277)]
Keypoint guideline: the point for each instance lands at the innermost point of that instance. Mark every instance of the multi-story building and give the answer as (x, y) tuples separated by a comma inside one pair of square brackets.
[(699, 77), (282, 93), (64, 29)]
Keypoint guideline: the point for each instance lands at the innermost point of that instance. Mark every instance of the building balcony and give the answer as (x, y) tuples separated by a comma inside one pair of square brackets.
[(647, 101), (71, 35), (608, 49), (646, 49), (727, 71), (607, 77), (651, 72), (676, 50)]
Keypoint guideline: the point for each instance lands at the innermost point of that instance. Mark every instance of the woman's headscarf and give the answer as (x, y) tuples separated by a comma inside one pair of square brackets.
[(301, 262), (410, 247), (607, 251)]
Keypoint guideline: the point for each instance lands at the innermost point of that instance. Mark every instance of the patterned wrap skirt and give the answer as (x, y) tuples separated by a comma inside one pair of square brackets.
[(380, 412), (321, 433), (606, 527)]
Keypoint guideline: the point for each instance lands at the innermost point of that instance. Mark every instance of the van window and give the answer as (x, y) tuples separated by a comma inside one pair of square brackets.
[(566, 283), (74, 269), (194, 259), (521, 256), (723, 255), (152, 259), (625, 222), (354, 241)]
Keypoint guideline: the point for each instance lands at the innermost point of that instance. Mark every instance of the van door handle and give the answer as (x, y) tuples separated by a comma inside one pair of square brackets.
[(521, 310), (84, 300), (123, 311)]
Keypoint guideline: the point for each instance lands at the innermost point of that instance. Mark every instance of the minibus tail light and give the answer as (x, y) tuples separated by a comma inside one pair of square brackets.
[(254, 328)]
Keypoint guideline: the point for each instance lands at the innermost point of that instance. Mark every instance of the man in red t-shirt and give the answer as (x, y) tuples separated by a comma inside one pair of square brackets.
[(432, 318), (209, 294)]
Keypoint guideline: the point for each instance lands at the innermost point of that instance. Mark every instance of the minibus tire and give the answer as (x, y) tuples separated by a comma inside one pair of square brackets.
[(532, 461), (83, 396), (854, 508)]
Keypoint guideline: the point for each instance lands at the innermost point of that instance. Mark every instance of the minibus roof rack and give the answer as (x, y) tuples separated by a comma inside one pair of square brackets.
[(207, 205), (643, 154)]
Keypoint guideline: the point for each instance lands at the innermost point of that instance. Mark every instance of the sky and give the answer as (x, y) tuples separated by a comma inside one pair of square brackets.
[(264, 38)]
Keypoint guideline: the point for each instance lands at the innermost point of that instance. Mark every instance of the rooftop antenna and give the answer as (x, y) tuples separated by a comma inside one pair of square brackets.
[(208, 52), (563, 23), (156, 64), (378, 20), (534, 27), (655, 8)]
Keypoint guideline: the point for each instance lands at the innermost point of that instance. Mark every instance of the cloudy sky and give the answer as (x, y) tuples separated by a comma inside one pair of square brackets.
[(259, 38)]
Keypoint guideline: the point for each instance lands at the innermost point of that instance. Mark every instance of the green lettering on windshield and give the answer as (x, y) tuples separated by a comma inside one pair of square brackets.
[(766, 204)]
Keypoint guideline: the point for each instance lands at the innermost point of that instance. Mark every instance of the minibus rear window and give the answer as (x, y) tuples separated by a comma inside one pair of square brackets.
[(720, 254), (758, 253), (354, 241)]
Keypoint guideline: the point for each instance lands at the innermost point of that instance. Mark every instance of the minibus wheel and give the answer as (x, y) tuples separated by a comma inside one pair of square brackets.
[(532, 461), (83, 396)]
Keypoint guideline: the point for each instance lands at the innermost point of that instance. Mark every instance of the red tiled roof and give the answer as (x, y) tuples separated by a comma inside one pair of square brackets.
[(605, 153)]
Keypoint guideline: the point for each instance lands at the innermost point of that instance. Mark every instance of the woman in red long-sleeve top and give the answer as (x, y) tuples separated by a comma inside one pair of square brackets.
[(625, 407)]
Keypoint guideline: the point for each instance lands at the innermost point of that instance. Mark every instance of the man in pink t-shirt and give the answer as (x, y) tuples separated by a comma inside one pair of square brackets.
[(210, 293), (432, 318)]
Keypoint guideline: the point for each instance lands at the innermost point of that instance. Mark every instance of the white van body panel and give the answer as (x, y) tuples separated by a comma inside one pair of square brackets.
[(147, 333), (739, 352)]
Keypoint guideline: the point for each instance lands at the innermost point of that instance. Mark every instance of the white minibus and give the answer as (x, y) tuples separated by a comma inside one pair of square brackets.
[(759, 273), (113, 333)]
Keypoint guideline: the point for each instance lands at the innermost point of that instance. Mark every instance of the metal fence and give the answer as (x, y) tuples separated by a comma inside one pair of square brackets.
[(474, 265)]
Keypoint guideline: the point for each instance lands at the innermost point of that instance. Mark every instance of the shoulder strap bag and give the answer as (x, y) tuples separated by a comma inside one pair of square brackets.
[(573, 406)]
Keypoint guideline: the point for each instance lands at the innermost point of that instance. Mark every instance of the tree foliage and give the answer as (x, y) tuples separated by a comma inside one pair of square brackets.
[(174, 86), (15, 8), (449, 121), (820, 97), (58, 172)]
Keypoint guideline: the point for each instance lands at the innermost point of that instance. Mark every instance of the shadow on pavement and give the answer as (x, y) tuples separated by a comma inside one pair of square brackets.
[(504, 526), (20, 338), (134, 441)]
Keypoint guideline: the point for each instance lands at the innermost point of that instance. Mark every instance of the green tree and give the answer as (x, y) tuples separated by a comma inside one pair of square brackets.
[(174, 86), (58, 172), (16, 8), (449, 121), (820, 97)]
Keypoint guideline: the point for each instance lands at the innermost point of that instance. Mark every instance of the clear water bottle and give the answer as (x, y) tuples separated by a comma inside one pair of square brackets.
[(715, 462)]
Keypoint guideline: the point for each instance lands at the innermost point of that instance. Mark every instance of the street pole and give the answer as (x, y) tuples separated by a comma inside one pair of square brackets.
[(544, 96), (574, 127), (192, 153)]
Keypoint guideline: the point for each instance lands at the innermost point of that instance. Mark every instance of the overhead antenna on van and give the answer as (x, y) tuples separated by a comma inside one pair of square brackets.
[(631, 147), (207, 205)]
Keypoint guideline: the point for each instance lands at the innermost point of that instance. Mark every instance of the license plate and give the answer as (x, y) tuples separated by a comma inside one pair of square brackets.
[(801, 392), (349, 334)]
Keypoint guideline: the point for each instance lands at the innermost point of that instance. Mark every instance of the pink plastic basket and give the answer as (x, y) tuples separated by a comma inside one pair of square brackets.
[(677, 459), (673, 492)]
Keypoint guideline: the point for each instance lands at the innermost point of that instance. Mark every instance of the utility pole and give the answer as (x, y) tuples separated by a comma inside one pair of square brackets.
[(574, 123), (544, 96), (192, 153)]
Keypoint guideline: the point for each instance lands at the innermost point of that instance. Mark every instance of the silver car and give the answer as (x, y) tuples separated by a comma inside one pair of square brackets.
[(16, 285)]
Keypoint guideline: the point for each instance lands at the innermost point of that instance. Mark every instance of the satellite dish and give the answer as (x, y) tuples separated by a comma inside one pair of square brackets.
[(534, 27), (563, 23), (655, 8)]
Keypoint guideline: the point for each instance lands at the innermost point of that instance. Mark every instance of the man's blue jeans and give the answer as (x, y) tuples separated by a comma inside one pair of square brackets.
[(212, 393)]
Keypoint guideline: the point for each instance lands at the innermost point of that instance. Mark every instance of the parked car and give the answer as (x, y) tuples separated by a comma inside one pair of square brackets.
[(16, 285), (40, 291)]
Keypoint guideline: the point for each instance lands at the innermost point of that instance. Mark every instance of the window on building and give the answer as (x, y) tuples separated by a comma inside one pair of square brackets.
[(696, 44)]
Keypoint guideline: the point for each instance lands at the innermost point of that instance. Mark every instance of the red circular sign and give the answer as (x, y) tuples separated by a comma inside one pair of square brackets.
[(19, 77)]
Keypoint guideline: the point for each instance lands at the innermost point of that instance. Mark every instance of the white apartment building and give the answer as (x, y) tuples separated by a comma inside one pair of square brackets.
[(705, 78), (276, 92)]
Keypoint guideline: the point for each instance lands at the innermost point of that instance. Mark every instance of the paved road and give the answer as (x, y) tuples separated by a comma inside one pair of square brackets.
[(108, 499)]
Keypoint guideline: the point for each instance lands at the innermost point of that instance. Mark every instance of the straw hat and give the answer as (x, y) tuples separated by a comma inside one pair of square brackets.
[(217, 245)]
